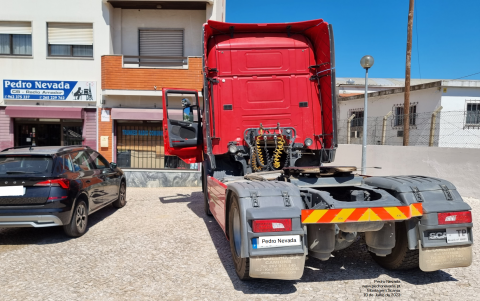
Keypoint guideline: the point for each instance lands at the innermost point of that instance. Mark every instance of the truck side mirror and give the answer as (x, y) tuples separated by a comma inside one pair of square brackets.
[(188, 114), (186, 103)]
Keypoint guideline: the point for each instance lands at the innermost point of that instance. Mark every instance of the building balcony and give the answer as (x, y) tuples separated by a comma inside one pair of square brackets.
[(141, 75), (163, 4)]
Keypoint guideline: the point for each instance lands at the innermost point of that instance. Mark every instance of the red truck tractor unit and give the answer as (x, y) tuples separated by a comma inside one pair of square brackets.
[(266, 127)]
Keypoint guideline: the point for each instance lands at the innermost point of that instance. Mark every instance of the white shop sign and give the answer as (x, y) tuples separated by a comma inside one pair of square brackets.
[(50, 90)]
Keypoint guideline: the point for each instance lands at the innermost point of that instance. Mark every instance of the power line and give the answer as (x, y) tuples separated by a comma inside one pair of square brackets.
[(467, 75)]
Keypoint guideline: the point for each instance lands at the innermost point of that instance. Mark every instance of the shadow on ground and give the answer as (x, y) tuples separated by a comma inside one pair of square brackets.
[(15, 238), (353, 263)]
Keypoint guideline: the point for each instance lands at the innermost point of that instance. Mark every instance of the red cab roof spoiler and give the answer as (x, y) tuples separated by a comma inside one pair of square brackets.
[(293, 27)]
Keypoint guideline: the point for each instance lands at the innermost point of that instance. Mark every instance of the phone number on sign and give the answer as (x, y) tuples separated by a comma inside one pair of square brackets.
[(38, 97)]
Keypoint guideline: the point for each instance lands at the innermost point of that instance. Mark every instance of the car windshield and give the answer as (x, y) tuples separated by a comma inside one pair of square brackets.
[(25, 165)]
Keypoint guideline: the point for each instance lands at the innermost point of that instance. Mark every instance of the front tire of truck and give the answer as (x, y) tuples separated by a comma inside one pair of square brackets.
[(242, 265), (401, 257)]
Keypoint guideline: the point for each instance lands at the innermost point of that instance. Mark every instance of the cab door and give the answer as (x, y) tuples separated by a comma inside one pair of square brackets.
[(181, 124)]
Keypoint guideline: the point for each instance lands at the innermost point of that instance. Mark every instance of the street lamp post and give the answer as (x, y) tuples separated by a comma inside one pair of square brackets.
[(366, 62)]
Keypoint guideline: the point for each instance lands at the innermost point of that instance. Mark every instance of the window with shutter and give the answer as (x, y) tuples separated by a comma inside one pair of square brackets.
[(15, 38), (70, 39), (161, 47)]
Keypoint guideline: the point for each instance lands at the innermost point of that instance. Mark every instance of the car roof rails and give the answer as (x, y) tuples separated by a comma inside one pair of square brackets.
[(72, 146), (15, 147), (59, 150)]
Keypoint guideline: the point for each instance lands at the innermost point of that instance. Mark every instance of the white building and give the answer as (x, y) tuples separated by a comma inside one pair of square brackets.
[(65, 63), (350, 86), (457, 124)]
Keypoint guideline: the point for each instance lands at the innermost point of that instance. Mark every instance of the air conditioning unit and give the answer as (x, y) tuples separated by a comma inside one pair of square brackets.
[(399, 133)]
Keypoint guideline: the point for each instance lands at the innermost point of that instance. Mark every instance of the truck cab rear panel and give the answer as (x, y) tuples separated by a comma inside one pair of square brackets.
[(269, 75)]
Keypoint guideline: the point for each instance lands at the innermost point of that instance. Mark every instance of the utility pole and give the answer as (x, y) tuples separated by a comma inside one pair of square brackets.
[(406, 103)]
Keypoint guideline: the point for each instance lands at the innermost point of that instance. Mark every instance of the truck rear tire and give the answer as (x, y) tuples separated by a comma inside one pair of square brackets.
[(401, 257), (205, 193), (242, 265)]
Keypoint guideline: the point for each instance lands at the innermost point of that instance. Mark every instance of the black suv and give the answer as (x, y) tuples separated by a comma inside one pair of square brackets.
[(57, 185)]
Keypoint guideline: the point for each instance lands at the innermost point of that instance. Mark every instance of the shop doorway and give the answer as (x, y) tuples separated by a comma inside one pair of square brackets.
[(38, 132)]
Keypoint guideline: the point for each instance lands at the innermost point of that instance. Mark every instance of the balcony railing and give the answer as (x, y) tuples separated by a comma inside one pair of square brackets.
[(155, 61)]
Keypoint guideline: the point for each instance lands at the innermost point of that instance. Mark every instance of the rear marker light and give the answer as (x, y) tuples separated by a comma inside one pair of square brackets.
[(64, 183), (272, 225), (57, 198), (462, 217)]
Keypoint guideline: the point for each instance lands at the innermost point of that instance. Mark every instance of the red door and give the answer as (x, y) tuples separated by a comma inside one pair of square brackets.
[(182, 131)]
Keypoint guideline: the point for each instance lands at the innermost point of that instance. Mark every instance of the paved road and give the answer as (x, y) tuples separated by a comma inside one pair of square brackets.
[(162, 247)]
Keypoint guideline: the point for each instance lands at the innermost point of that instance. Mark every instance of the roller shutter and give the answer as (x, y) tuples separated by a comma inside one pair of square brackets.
[(6, 130), (161, 42), (90, 128), (15, 27), (70, 33)]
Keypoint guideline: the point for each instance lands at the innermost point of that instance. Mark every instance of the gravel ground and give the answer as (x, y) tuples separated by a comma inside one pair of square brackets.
[(161, 246)]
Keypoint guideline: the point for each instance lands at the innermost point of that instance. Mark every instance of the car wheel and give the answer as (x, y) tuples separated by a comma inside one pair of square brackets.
[(78, 224), (242, 265), (122, 196)]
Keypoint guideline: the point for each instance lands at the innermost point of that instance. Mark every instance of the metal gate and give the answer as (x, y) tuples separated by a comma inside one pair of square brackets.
[(140, 146)]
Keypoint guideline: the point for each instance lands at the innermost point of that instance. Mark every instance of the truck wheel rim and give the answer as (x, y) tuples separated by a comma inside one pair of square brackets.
[(81, 217), (237, 239)]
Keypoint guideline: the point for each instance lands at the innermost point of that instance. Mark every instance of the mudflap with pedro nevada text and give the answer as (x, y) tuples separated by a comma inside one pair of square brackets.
[(433, 259), (283, 267)]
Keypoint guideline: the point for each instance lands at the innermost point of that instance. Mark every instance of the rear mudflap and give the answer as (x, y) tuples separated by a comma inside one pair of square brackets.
[(433, 259), (283, 267)]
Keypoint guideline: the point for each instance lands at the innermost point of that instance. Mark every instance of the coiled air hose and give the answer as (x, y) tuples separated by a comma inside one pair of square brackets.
[(278, 151)]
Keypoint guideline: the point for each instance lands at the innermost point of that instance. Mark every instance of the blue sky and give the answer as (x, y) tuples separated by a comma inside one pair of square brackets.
[(448, 33)]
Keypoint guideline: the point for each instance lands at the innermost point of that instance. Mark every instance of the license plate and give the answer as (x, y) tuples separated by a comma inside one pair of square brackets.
[(12, 190), (457, 235), (276, 241)]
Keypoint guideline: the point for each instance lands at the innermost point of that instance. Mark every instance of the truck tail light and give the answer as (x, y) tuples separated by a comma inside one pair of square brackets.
[(272, 225), (62, 182), (461, 217)]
